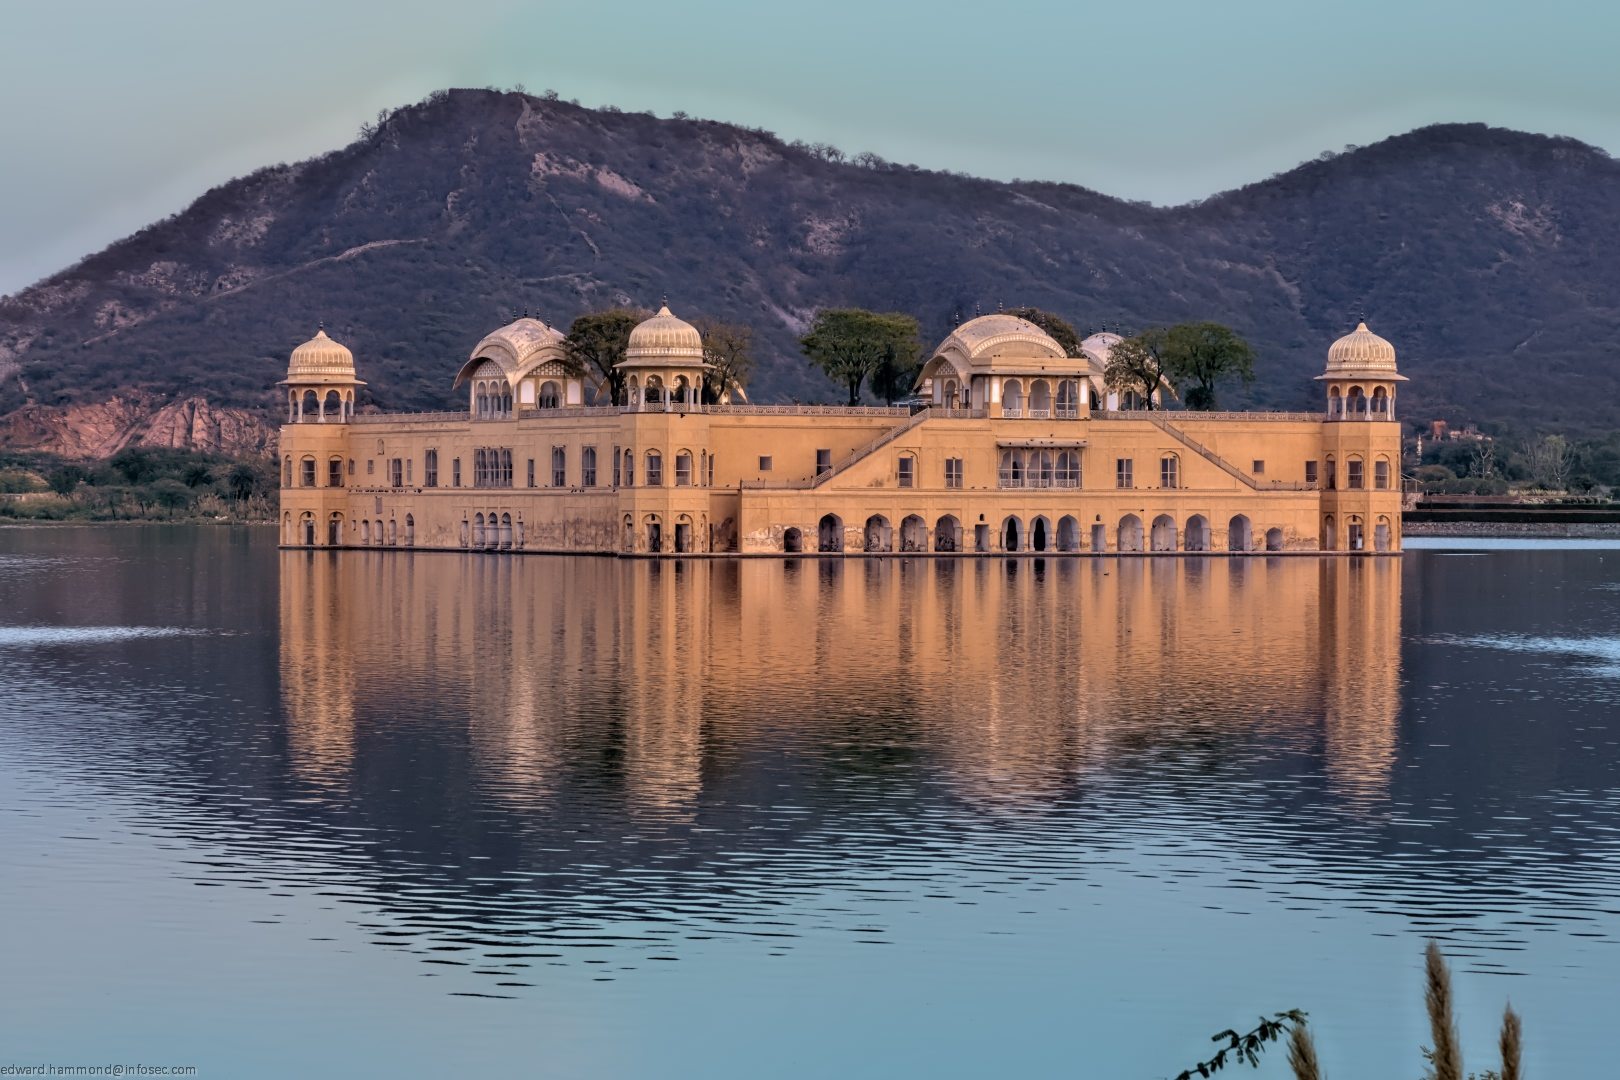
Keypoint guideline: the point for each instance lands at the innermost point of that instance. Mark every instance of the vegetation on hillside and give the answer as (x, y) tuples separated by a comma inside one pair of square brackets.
[(1480, 253)]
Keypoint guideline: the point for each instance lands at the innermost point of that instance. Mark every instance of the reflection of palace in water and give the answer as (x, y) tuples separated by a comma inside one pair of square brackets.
[(1011, 678)]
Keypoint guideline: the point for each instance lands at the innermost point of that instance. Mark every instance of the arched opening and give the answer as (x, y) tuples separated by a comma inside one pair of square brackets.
[(309, 407), (334, 530), (550, 395), (1357, 403), (365, 531), (830, 533), (655, 533), (478, 531), (629, 533), (518, 540), (1164, 533), (1040, 399), (506, 533), (948, 534), (287, 534), (1380, 403), (1355, 539), (1129, 535), (653, 394), (286, 472), (463, 532), (1335, 404), (1012, 398), (1040, 534), (1068, 533), (377, 533), (1197, 534), (1330, 534), (879, 534), (950, 394), (632, 392), (393, 534), (332, 407), (1012, 534), (683, 535), (1274, 539), (1239, 534), (792, 541), (913, 533), (1382, 535), (306, 529), (410, 530), (1068, 399)]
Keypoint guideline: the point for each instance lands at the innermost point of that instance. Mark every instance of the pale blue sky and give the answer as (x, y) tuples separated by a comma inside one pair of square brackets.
[(117, 113)]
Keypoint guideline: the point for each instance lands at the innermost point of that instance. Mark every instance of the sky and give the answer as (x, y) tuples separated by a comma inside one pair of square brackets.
[(114, 114)]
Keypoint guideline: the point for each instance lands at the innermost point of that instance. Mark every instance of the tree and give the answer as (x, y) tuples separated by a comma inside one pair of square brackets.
[(1199, 355), (197, 473), (1137, 365), (1551, 460), (728, 347), (65, 480), (851, 345), (168, 493), (242, 481), (1059, 328), (596, 343)]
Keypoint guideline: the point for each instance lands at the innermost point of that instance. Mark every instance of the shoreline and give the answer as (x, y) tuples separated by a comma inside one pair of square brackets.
[(1548, 530)]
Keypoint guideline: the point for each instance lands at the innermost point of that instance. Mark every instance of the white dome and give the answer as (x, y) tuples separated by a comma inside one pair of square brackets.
[(521, 340), (665, 339), (1361, 350), (320, 359)]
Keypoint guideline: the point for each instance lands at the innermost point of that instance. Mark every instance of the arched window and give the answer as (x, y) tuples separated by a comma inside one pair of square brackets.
[(683, 468), (393, 534), (629, 468), (1012, 398), (1068, 469), (309, 410), (1357, 402), (550, 395), (559, 466), (334, 472), (1381, 474), (286, 472), (1335, 404), (506, 468), (587, 467), (655, 469), (1330, 475), (1040, 399), (1353, 474), (410, 530), (1380, 403), (306, 469)]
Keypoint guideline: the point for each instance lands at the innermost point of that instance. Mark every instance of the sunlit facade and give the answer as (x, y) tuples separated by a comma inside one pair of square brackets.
[(1018, 448)]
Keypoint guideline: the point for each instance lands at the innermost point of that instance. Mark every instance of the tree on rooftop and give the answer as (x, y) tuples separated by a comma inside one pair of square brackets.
[(1056, 326), (851, 345), (1199, 355), (728, 348), (1137, 365), (596, 343)]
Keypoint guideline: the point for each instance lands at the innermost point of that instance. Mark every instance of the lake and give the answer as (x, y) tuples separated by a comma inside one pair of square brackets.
[(351, 813)]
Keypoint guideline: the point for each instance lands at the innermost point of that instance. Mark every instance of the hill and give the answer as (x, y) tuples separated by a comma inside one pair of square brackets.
[(1483, 253)]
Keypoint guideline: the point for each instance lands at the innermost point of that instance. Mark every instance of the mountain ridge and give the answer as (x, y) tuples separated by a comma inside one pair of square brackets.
[(449, 215)]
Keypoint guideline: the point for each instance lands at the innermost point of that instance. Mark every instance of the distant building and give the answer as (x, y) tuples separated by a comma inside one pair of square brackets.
[(1018, 448)]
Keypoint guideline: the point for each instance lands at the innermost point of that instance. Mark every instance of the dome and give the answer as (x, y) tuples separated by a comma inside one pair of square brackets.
[(1361, 350), (999, 334), (665, 339), (522, 340), (320, 359)]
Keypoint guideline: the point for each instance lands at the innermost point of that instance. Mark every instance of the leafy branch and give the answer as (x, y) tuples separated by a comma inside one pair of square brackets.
[(1246, 1047)]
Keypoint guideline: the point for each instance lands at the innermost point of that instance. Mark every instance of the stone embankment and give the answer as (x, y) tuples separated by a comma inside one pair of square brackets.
[(1547, 530)]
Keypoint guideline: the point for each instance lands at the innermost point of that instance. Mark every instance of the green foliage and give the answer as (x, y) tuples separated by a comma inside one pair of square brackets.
[(65, 479), (169, 484), (1245, 1048), (596, 343), (851, 345), (1057, 327), (1199, 355), (1137, 365)]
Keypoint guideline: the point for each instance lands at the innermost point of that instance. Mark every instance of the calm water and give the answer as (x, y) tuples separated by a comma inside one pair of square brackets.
[(345, 813)]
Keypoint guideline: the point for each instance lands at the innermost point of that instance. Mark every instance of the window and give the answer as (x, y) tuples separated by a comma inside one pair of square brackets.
[(430, 468), (286, 473), (1068, 468), (1381, 473), (506, 460), (953, 472), (1259, 468), (559, 466), (529, 475), (371, 466), (1310, 472), (1332, 480), (334, 472), (908, 471), (307, 472), (823, 462), (1353, 472), (711, 471), (629, 468), (616, 471), (587, 467), (351, 466), (655, 469), (455, 472), (764, 463), (1124, 468), (683, 469), (409, 463), (1169, 471)]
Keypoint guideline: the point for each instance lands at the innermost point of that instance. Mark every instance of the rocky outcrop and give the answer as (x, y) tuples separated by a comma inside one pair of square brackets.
[(102, 429)]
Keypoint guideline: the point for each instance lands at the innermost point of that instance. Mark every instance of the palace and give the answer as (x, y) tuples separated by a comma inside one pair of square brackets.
[(1018, 448)]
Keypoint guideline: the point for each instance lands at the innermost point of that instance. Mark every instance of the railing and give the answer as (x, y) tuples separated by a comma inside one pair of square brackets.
[(1156, 414), (876, 444), (409, 418), (1012, 412), (1163, 424), (1007, 482), (806, 410)]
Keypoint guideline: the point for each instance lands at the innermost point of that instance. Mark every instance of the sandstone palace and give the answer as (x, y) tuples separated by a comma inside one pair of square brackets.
[(1017, 448)]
